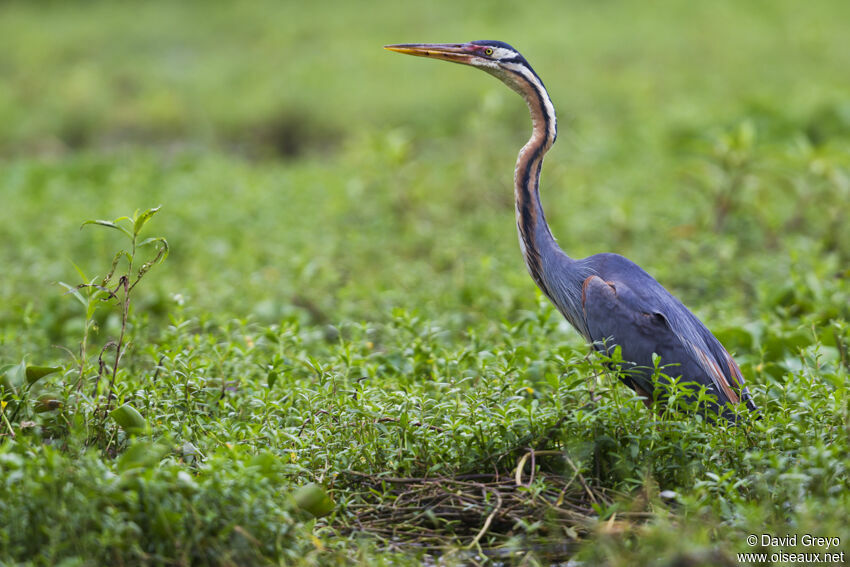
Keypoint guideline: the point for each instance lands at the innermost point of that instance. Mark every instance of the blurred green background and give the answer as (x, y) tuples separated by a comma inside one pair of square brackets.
[(335, 210), (304, 168)]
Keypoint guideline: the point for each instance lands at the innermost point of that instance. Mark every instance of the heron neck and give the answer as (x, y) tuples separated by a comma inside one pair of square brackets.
[(535, 237)]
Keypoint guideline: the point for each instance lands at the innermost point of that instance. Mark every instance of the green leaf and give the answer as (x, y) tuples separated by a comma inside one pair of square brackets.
[(129, 418), (36, 373), (734, 338), (80, 272), (161, 255), (144, 218), (108, 224), (73, 290), (150, 240), (14, 377), (162, 251), (141, 454), (314, 499)]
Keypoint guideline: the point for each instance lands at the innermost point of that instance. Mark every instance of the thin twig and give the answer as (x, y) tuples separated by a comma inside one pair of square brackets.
[(581, 479), (487, 522), (414, 480)]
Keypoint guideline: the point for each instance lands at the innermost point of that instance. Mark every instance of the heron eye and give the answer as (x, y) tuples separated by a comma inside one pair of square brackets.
[(488, 51)]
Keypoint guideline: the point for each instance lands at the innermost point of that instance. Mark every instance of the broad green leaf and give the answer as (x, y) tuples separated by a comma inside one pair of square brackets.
[(129, 418), (144, 218), (141, 454), (777, 346), (150, 240), (36, 373), (314, 499), (266, 463), (735, 338), (101, 223), (108, 224)]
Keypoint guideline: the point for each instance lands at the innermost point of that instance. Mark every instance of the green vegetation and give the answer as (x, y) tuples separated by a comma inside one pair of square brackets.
[(342, 358)]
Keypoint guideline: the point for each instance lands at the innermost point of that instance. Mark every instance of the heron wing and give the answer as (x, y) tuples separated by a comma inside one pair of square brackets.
[(616, 315)]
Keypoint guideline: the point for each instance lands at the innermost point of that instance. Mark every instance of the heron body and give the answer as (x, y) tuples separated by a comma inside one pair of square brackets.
[(610, 300)]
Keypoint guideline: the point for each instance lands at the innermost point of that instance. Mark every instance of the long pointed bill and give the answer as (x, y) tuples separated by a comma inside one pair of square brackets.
[(455, 52)]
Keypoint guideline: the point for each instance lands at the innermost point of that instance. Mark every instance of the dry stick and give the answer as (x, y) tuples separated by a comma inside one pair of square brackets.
[(581, 479), (101, 367), (403, 524), (457, 506), (521, 465), (519, 468), (158, 368), (487, 522), (413, 480), (560, 499), (530, 439)]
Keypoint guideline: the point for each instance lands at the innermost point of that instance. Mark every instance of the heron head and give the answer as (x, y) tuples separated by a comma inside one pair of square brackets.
[(488, 55), (503, 62)]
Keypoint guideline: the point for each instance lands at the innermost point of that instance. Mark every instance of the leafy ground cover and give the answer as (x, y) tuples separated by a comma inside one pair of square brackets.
[(343, 311)]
